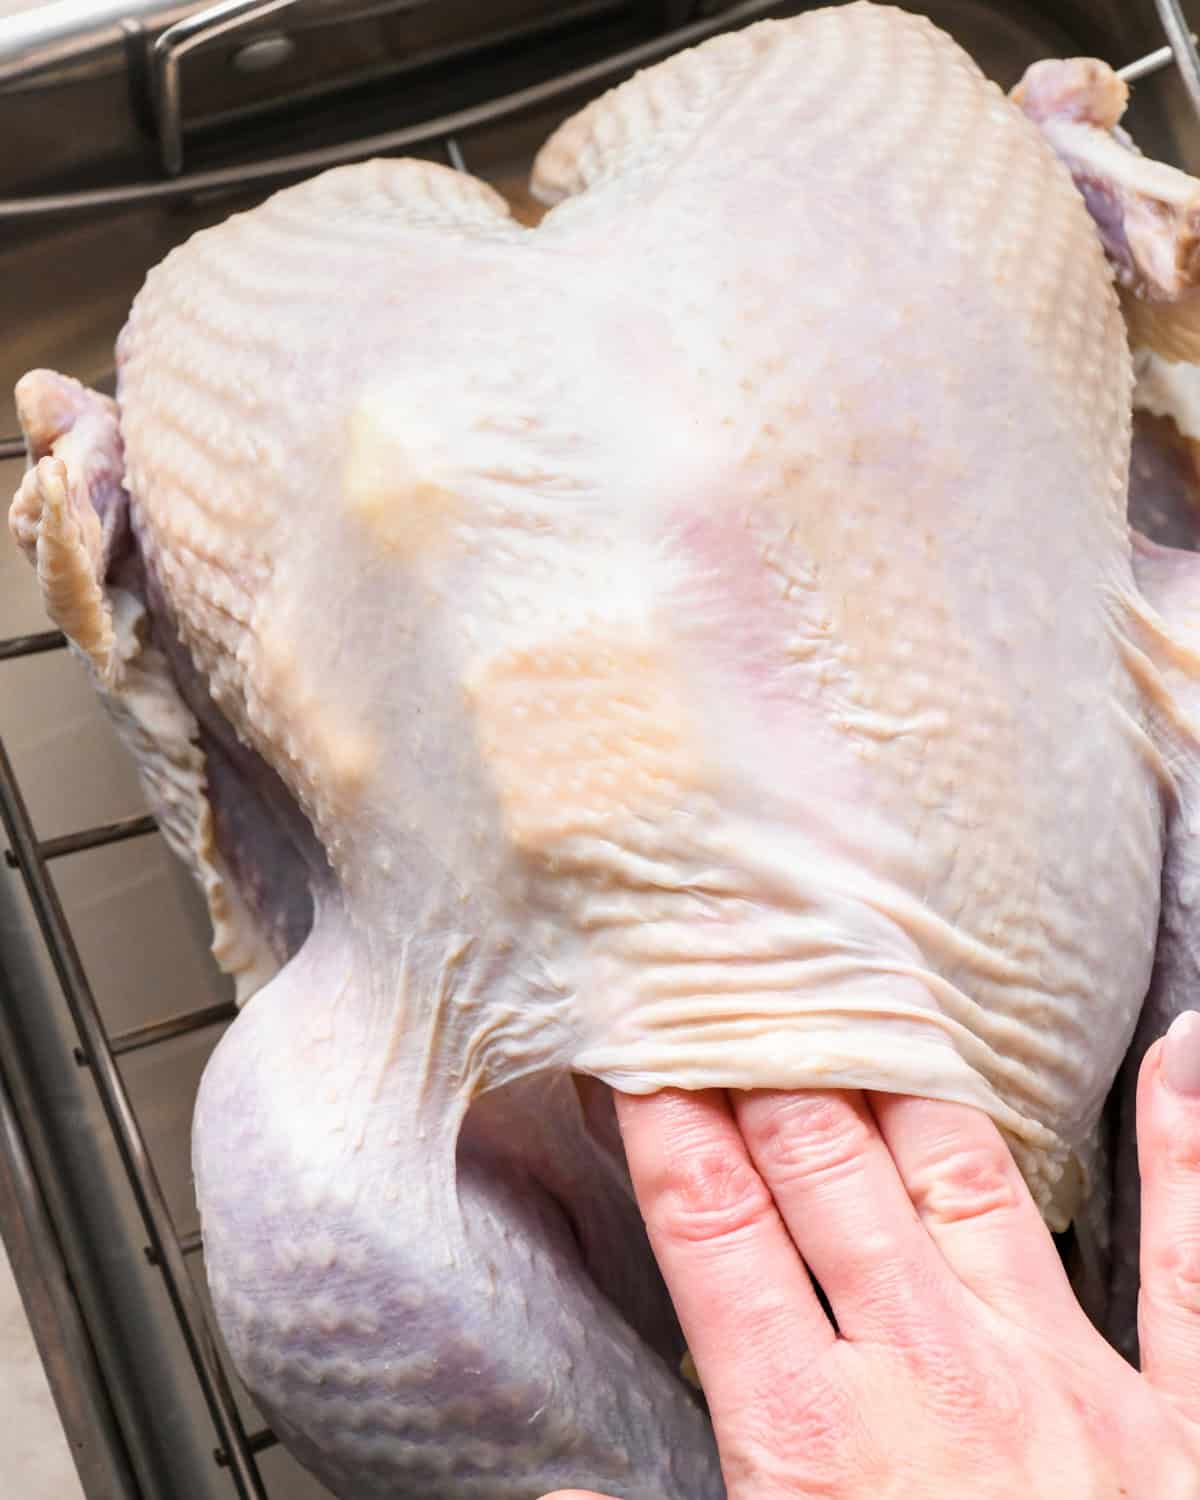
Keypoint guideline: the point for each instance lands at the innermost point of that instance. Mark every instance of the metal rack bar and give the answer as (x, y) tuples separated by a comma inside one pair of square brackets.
[(91, 838), (157, 1032), (31, 645), (189, 1243), (60, 943), (257, 1442)]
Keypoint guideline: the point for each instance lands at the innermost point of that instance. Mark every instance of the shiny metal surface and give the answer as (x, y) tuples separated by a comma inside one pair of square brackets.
[(65, 34), (80, 231), (1146, 67)]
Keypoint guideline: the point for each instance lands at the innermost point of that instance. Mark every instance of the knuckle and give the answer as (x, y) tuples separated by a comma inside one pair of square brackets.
[(710, 1196), (808, 1137), (968, 1183)]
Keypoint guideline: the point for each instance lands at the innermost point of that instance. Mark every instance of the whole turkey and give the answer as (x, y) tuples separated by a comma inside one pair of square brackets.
[(695, 642)]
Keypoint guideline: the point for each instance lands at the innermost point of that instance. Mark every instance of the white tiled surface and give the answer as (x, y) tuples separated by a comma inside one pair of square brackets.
[(37, 1460)]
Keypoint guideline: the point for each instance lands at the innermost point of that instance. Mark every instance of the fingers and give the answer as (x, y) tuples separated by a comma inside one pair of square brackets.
[(975, 1207), (829, 1170), (744, 1298), (1168, 1133)]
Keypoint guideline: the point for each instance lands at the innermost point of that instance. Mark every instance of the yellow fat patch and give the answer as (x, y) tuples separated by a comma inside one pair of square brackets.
[(579, 730), (391, 485)]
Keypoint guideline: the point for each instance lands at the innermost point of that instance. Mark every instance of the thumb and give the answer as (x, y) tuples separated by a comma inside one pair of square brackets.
[(577, 1495), (1168, 1132)]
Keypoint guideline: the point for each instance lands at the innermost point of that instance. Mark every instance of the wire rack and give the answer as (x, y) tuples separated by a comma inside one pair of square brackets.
[(97, 1048)]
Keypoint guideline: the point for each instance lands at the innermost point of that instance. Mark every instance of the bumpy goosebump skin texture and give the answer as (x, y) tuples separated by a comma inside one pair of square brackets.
[(860, 504)]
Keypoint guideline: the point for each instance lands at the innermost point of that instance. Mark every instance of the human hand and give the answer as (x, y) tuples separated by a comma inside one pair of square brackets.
[(961, 1363)]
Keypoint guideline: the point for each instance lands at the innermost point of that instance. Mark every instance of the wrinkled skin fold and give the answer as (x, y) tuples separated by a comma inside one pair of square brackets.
[(695, 642)]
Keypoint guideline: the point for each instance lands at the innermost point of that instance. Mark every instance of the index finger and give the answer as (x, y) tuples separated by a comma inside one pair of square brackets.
[(744, 1297)]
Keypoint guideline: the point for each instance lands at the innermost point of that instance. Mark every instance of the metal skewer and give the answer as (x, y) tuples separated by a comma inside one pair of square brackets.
[(1143, 67)]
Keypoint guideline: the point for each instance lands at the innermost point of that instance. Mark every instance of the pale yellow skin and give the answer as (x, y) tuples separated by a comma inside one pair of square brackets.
[(702, 630)]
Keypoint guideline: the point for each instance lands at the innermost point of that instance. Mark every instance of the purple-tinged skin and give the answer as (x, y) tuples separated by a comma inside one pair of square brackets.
[(490, 1326), (267, 842)]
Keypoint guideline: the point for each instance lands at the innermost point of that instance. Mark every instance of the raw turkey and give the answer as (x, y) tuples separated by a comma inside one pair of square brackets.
[(695, 642)]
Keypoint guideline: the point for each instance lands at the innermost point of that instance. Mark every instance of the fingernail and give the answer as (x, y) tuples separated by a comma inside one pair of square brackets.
[(1181, 1054)]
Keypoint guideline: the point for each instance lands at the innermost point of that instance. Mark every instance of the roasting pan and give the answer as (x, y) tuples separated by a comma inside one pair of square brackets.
[(124, 126)]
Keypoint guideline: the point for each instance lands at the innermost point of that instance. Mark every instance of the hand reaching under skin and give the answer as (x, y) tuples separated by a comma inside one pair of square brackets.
[(961, 1363)]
